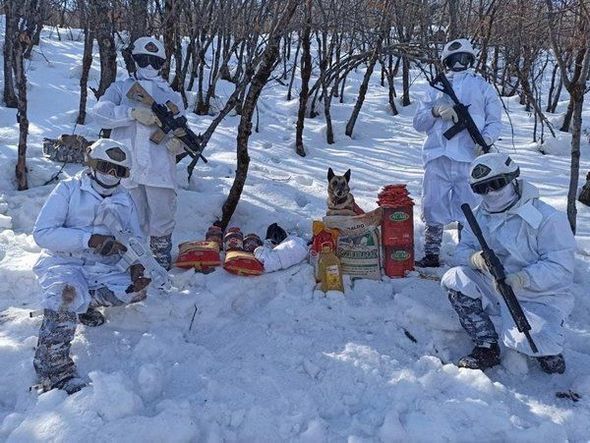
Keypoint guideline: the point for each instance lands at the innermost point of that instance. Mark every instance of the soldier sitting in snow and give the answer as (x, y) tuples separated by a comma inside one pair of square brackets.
[(77, 268), (536, 246)]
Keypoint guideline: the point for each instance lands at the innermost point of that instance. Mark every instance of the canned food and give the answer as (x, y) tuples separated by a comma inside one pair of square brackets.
[(233, 240), (214, 234), (251, 242)]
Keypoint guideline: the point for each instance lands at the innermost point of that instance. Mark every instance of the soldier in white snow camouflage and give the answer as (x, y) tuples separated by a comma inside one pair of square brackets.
[(77, 268)]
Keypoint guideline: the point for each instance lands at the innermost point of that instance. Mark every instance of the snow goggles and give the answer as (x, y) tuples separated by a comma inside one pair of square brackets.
[(108, 168), (493, 184), (143, 60), (464, 59)]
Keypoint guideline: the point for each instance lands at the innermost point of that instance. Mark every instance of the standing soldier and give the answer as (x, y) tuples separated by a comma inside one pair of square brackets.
[(77, 269), (446, 162), (535, 244), (152, 183)]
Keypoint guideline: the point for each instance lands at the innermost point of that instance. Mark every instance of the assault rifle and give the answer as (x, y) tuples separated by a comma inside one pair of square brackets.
[(137, 250), (497, 271), (465, 120), (170, 121)]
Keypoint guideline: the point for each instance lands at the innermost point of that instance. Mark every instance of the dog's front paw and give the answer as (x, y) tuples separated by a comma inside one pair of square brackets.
[(340, 212)]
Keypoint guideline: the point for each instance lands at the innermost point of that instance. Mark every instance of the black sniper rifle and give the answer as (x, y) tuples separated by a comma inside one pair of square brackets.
[(169, 120), (465, 120), (497, 271)]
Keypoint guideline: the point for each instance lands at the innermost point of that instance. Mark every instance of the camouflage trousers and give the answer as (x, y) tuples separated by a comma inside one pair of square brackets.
[(162, 249), (473, 318), (433, 235), (52, 361)]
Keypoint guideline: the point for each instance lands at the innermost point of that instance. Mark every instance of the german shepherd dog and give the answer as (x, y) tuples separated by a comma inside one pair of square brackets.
[(340, 199)]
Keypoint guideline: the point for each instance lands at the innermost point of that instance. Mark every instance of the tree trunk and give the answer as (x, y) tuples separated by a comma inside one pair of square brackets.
[(362, 92), (453, 31), (294, 69), (10, 98), (567, 118), (557, 96), (106, 46), (23, 122), (577, 94), (305, 76), (551, 88), (269, 58), (405, 81), (86, 64)]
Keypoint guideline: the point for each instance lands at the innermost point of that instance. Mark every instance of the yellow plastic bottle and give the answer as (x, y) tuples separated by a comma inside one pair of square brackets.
[(330, 270)]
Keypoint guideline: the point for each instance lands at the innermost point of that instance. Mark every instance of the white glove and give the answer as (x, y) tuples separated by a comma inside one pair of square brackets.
[(476, 261), (479, 149), (446, 112), (518, 280), (145, 116), (175, 146)]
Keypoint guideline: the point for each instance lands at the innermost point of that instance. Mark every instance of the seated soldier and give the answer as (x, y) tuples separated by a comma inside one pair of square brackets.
[(77, 268), (535, 244)]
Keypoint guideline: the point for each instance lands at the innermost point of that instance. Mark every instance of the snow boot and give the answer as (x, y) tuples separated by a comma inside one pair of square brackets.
[(70, 384), (428, 261), (552, 364), (92, 318), (481, 357)]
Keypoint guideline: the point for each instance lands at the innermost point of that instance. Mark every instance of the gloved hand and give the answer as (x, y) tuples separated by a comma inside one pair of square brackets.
[(518, 280), (174, 146), (446, 112), (106, 245), (145, 116), (479, 149), (138, 281), (477, 262)]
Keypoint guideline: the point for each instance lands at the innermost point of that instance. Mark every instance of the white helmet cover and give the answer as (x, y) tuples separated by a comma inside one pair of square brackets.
[(460, 45), (111, 152), (149, 46), (496, 165)]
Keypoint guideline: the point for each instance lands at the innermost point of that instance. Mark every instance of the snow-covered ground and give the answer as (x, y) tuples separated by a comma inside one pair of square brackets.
[(268, 358)]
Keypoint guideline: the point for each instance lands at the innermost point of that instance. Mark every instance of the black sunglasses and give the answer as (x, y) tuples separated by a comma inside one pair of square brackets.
[(493, 184), (109, 168), (143, 60)]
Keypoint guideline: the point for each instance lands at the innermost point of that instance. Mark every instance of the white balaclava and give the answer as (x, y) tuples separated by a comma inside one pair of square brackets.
[(104, 184), (147, 73), (500, 200)]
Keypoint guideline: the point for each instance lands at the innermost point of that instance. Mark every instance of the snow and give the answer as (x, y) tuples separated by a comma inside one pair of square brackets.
[(270, 358)]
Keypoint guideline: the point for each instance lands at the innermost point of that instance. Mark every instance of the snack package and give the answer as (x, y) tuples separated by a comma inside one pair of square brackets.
[(242, 263), (200, 255)]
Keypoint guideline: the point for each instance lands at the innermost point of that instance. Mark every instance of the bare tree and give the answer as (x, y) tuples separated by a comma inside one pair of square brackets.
[(574, 83), (268, 61), (305, 76)]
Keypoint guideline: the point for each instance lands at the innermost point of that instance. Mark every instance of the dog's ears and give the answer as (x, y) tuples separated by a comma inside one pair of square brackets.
[(347, 176), (330, 174)]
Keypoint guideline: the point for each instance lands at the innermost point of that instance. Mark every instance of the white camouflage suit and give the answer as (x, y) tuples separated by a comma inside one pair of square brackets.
[(152, 182), (532, 237), (446, 162), (63, 229)]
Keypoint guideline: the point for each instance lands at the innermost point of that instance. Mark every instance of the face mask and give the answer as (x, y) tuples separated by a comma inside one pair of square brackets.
[(147, 73), (104, 184), (500, 200)]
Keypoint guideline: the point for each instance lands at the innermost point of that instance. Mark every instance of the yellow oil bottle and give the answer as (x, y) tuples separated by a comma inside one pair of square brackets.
[(330, 270)]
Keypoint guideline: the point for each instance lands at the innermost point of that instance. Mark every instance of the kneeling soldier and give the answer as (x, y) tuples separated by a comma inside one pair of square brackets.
[(536, 246)]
